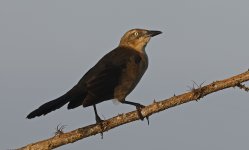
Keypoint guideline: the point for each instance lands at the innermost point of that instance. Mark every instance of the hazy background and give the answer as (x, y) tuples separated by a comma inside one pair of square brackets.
[(47, 46)]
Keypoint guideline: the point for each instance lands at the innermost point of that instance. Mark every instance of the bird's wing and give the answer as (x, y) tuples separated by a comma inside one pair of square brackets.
[(102, 79)]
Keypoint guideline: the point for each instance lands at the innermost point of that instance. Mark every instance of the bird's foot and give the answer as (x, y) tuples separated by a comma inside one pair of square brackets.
[(139, 107), (99, 121)]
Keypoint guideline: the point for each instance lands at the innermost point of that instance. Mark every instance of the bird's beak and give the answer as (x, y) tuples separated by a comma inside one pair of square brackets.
[(152, 33)]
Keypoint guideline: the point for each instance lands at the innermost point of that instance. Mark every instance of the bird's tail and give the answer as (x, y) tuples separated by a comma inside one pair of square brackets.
[(50, 106)]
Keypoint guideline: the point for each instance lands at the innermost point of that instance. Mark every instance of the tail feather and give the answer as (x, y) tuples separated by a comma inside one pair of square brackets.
[(75, 97), (49, 106)]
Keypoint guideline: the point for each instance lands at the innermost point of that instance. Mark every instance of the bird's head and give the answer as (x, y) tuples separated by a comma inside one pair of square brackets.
[(137, 38)]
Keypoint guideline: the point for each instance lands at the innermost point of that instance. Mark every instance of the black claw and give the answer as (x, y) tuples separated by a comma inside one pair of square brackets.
[(102, 135), (148, 121), (102, 128), (139, 107), (99, 121)]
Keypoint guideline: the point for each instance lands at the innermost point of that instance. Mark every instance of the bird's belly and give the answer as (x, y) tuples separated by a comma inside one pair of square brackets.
[(129, 79)]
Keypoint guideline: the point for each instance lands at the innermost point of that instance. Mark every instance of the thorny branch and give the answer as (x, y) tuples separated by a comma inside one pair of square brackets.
[(195, 94), (242, 86)]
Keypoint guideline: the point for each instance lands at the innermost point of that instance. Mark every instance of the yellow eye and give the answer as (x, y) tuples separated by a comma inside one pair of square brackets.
[(136, 33)]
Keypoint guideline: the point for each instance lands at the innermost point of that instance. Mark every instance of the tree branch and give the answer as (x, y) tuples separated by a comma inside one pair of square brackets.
[(194, 94)]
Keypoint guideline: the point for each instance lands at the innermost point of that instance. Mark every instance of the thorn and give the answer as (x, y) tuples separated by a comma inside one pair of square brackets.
[(194, 83), (202, 83), (59, 129), (243, 86), (199, 86), (197, 90)]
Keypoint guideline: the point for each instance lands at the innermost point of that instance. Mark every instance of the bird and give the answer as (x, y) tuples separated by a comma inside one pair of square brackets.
[(114, 76)]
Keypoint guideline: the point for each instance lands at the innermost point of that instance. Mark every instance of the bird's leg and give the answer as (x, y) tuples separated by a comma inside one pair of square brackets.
[(138, 107), (98, 120)]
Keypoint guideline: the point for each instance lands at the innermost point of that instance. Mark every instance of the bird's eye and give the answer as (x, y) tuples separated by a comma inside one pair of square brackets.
[(136, 33)]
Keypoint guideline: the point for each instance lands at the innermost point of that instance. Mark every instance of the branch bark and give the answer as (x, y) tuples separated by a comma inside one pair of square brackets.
[(155, 107)]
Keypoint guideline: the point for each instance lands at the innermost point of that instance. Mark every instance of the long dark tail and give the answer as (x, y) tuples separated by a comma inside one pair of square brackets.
[(75, 97), (50, 106)]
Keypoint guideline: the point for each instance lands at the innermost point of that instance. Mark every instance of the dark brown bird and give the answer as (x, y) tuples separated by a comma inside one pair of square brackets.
[(113, 77)]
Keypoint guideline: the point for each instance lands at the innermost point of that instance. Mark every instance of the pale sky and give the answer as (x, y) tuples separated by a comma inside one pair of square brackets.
[(47, 46)]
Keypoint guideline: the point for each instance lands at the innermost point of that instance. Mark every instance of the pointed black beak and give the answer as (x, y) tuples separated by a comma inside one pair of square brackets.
[(152, 33)]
